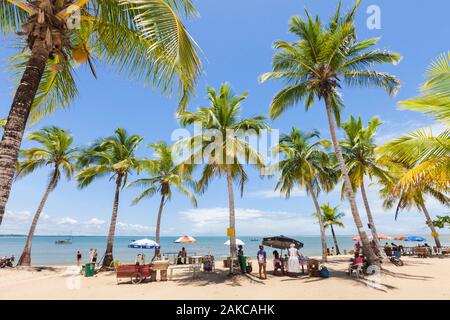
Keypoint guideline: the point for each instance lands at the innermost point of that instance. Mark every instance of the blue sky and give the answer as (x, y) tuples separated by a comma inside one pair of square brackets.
[(236, 37)]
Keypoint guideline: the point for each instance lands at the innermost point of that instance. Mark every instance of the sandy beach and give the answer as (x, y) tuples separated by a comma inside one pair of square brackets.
[(418, 279)]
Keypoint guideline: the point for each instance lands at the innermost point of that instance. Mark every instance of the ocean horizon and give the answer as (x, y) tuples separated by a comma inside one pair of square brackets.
[(46, 252)]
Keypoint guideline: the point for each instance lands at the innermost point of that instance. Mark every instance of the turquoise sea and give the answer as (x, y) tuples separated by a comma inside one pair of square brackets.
[(45, 251)]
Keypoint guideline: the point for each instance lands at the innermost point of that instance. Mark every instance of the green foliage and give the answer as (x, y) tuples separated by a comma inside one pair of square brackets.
[(441, 222), (435, 93), (305, 163), (55, 151), (331, 216), (222, 117), (164, 175), (324, 57), (113, 156)]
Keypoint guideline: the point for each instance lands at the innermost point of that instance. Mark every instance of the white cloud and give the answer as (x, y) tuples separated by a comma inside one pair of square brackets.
[(209, 221), (271, 194), (67, 220), (95, 222)]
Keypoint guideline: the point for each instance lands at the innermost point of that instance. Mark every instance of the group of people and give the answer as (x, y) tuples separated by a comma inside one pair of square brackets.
[(93, 255), (289, 264)]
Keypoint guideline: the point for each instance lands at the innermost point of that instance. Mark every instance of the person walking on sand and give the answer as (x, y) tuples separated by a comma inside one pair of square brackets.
[(293, 262), (91, 254), (94, 256), (79, 256), (262, 262)]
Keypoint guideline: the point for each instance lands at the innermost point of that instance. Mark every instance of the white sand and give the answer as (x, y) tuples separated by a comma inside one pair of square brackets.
[(418, 279)]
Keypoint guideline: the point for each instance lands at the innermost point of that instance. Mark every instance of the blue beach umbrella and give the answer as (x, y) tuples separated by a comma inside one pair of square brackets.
[(143, 244), (416, 239)]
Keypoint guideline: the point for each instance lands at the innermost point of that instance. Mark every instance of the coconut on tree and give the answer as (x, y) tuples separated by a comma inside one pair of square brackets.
[(113, 157), (56, 152), (143, 39), (223, 146), (306, 165), (164, 176), (332, 217), (325, 57)]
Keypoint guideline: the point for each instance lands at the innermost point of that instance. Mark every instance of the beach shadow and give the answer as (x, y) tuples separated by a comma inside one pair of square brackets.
[(203, 279)]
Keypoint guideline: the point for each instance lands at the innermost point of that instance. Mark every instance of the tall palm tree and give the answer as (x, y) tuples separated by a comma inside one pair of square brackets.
[(223, 146), (164, 176), (143, 38), (332, 217), (55, 151), (358, 149), (305, 165), (435, 92), (314, 67), (112, 156)]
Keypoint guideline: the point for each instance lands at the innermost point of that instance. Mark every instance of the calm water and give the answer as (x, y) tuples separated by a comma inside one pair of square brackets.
[(45, 251)]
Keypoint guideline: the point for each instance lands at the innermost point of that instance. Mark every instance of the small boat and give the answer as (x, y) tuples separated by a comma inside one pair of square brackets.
[(65, 241), (255, 239)]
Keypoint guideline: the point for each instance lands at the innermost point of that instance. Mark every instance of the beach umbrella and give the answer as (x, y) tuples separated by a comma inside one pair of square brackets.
[(185, 239), (281, 242), (238, 242), (143, 244), (400, 238), (416, 239)]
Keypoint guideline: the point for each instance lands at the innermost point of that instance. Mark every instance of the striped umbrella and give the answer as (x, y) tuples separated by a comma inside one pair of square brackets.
[(185, 239), (380, 236)]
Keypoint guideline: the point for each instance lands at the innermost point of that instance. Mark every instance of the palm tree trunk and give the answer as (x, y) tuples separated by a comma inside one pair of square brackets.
[(17, 119), (373, 229), (338, 252), (108, 258), (322, 227), (232, 218), (429, 223), (367, 250), (158, 221), (25, 258)]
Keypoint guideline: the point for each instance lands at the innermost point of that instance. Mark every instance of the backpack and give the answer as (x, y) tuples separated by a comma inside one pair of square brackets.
[(324, 273)]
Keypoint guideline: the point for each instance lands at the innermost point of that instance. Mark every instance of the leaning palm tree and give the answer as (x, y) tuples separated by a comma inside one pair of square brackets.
[(305, 165), (223, 146), (332, 217), (55, 151), (435, 92), (314, 67), (407, 198), (358, 148), (165, 175), (142, 38), (112, 156)]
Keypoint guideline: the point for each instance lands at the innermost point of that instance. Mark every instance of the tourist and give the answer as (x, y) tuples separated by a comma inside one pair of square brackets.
[(262, 262), (182, 256), (241, 258), (277, 263), (293, 263), (94, 255), (78, 258), (91, 254), (332, 251)]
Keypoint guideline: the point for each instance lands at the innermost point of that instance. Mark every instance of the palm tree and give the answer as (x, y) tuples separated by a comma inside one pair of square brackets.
[(315, 66), (223, 145), (305, 165), (164, 175), (406, 199), (113, 156), (358, 148), (435, 93), (55, 151), (142, 38), (331, 217)]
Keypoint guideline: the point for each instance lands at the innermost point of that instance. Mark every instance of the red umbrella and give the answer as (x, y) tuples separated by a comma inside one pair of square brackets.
[(380, 236), (185, 239)]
